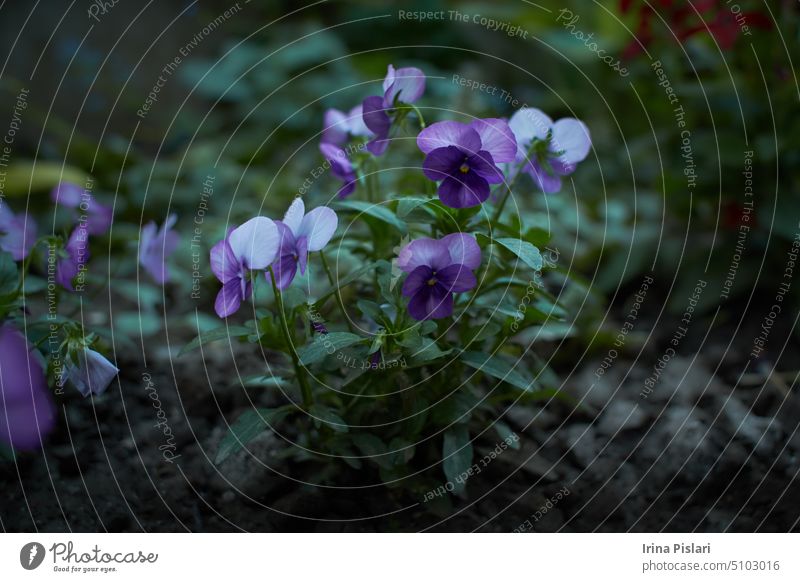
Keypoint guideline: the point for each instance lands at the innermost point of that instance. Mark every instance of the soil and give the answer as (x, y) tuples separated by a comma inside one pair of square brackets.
[(695, 454)]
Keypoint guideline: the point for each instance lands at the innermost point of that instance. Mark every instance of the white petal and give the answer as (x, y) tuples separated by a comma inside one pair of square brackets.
[(255, 243)]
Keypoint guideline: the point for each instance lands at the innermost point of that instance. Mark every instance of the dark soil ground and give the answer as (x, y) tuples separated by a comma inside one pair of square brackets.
[(696, 454)]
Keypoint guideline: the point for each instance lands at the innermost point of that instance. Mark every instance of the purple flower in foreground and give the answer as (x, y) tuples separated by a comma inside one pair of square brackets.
[(155, 245), (437, 269), (549, 150), (341, 167), (464, 158), (92, 374), (252, 246), (98, 216), (301, 233), (27, 413), (74, 257), (339, 126), (17, 233), (404, 85)]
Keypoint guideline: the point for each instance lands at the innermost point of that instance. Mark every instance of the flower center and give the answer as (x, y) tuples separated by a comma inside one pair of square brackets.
[(432, 280), (464, 168)]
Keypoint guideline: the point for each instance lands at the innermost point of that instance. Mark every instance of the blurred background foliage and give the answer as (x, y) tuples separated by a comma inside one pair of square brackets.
[(246, 106)]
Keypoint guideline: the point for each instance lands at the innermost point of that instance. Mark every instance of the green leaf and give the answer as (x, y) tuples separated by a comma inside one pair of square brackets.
[(326, 345), (528, 253), (247, 427), (9, 275), (215, 335), (457, 456), (427, 351), (507, 435), (375, 211), (324, 414), (497, 367), (264, 381)]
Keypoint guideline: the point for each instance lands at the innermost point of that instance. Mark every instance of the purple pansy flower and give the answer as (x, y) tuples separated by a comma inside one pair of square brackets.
[(437, 269), (341, 167), (464, 158), (27, 413), (339, 126), (549, 150), (155, 245), (98, 216), (74, 257), (405, 85), (250, 247), (301, 233), (92, 374), (17, 233)]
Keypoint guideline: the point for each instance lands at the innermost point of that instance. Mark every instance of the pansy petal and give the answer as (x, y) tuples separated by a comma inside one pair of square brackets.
[(416, 280), (484, 164), (496, 138), (431, 302), (318, 227), (294, 215), (355, 122), (443, 162), (224, 263), (463, 249), (448, 133), (334, 127), (423, 252), (18, 236), (255, 243), (375, 117), (464, 192), (457, 278), (529, 123), (406, 84), (100, 218), (67, 194), (547, 183), (285, 269), (302, 253), (229, 298), (571, 138)]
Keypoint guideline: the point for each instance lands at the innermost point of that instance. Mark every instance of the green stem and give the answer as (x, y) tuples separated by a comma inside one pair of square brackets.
[(308, 398), (419, 116), (336, 293), (502, 204)]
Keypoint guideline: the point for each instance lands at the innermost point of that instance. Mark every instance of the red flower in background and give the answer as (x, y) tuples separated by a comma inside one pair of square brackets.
[(686, 20)]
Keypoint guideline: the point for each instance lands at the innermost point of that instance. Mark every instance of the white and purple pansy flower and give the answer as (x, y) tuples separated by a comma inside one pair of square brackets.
[(403, 85), (17, 232), (464, 158), (155, 245), (300, 234), (339, 127), (436, 270), (252, 246), (92, 373), (341, 167), (81, 201), (549, 150)]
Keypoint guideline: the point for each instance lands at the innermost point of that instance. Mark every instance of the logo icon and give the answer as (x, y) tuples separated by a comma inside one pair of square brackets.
[(31, 555)]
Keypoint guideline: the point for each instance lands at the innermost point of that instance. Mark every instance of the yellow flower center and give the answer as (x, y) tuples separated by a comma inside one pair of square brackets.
[(464, 168)]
